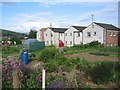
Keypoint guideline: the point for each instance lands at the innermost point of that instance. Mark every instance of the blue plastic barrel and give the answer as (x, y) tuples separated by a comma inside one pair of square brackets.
[(24, 57)]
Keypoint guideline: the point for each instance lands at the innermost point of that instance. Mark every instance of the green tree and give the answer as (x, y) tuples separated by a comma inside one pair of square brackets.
[(17, 40), (32, 34)]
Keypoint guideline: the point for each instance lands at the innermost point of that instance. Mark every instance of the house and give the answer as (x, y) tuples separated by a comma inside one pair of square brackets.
[(53, 35), (40, 34), (106, 34), (73, 36)]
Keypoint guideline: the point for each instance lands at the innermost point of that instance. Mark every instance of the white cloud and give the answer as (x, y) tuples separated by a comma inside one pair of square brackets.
[(106, 13), (24, 22)]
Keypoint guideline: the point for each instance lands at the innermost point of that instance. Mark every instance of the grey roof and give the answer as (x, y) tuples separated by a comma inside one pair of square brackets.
[(60, 30), (80, 28), (108, 26)]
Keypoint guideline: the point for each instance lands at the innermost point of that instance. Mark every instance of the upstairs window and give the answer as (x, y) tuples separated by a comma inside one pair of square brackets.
[(88, 34), (65, 34), (70, 34), (78, 34), (46, 34), (94, 34), (114, 34), (110, 33), (51, 34)]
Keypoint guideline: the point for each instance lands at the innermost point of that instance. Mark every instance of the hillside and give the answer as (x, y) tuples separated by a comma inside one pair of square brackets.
[(11, 34)]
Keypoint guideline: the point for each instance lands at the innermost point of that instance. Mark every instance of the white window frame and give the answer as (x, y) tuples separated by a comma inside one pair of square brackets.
[(66, 42), (94, 34), (89, 33), (70, 34), (114, 33), (65, 34), (70, 42), (78, 35), (110, 33)]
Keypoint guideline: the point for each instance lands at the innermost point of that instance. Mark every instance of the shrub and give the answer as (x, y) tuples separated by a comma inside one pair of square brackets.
[(83, 65), (48, 54), (101, 72), (60, 59), (94, 44), (51, 66)]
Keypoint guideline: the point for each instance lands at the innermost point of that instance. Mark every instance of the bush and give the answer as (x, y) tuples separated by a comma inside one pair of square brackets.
[(17, 40), (51, 66), (83, 65), (48, 54), (60, 59), (101, 72), (94, 44)]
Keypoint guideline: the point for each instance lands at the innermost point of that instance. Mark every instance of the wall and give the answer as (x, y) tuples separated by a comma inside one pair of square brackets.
[(47, 37), (72, 39), (38, 35), (112, 40), (100, 34)]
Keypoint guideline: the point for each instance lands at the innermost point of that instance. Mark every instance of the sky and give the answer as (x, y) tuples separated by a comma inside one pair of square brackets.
[(22, 16)]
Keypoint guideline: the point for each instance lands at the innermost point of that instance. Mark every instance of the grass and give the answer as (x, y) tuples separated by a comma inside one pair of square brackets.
[(10, 50)]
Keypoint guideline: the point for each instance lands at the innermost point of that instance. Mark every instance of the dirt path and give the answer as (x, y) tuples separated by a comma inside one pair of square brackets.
[(90, 57)]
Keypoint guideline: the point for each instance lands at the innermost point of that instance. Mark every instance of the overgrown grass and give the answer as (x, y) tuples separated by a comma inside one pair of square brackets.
[(110, 49), (10, 50)]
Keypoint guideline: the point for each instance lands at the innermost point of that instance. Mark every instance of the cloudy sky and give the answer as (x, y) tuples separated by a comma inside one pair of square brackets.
[(22, 16)]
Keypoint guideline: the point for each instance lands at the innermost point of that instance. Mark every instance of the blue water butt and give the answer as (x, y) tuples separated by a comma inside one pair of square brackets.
[(24, 57)]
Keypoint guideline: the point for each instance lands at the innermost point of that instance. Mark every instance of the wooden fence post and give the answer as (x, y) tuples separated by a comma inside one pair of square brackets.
[(16, 82)]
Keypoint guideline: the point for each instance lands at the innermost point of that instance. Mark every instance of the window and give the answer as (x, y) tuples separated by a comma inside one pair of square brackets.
[(70, 34), (94, 34), (110, 33), (46, 34), (51, 42), (89, 34), (114, 34), (70, 42), (111, 44), (65, 34), (114, 44), (61, 34), (78, 34), (92, 25), (47, 42), (66, 42), (51, 34)]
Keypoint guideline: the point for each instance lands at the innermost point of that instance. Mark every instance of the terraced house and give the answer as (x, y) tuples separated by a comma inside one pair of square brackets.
[(40, 34), (106, 34), (74, 35), (53, 35)]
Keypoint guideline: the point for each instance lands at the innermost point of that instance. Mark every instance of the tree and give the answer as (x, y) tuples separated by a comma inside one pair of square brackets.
[(32, 34)]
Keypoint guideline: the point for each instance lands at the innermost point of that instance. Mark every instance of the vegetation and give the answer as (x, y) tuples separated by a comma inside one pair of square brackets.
[(10, 50), (96, 73), (100, 53), (32, 34)]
